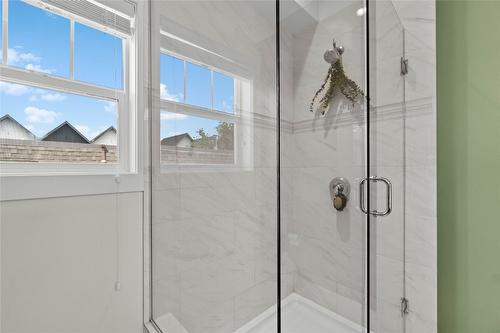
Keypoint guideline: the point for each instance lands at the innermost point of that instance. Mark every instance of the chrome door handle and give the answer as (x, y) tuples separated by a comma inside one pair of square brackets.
[(375, 212)]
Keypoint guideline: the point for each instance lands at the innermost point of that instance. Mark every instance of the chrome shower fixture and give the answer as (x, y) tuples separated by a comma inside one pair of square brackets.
[(331, 56)]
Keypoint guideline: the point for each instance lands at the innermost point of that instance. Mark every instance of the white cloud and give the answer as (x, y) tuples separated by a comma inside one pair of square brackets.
[(165, 94), (13, 89), (53, 97), (36, 115), (110, 106), (172, 116), (16, 57), (88, 132), (38, 68)]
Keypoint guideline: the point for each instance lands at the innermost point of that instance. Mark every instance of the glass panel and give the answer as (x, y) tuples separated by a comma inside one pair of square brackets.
[(38, 125), (38, 40), (98, 57), (171, 78), (1, 33), (223, 92), (323, 248), (387, 159), (214, 240), (195, 140), (198, 86)]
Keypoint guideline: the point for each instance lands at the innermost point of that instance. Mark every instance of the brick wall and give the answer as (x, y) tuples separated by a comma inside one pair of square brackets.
[(45, 151), (178, 155)]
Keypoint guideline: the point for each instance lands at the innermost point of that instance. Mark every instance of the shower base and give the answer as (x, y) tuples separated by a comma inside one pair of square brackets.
[(299, 315)]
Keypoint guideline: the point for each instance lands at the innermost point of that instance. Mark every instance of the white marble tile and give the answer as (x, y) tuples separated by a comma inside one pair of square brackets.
[(389, 276), (310, 290), (387, 317), (167, 205), (349, 308), (421, 136), (421, 191), (251, 302), (422, 293), (421, 241), (387, 141)]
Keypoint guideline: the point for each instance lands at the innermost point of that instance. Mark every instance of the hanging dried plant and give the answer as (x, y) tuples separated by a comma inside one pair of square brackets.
[(336, 81)]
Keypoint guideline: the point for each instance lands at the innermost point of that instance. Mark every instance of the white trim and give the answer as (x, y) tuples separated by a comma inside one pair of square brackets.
[(43, 80), (72, 49), (122, 8), (196, 111), (81, 19), (49, 186), (5, 30)]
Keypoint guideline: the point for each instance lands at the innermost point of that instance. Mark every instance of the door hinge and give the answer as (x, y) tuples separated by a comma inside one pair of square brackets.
[(404, 66), (405, 306)]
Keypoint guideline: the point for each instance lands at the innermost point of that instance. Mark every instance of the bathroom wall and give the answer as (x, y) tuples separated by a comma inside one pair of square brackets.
[(61, 258), (468, 163)]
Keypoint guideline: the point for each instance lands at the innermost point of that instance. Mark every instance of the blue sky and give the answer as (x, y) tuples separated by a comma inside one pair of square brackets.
[(40, 41), (198, 92)]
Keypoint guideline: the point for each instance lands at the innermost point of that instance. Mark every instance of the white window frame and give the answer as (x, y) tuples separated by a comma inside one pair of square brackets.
[(126, 145), (34, 180), (241, 116)]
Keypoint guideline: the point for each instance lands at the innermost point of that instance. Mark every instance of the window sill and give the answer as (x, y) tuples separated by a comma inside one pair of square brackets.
[(37, 186)]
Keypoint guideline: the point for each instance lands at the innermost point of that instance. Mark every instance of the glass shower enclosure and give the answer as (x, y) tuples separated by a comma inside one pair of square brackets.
[(273, 210)]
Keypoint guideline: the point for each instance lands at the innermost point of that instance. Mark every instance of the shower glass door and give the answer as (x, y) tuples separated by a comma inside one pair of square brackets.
[(323, 247), (387, 148), (214, 166)]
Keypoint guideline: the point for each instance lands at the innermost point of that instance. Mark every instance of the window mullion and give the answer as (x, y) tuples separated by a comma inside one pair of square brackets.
[(184, 81), (5, 27), (212, 89), (72, 50)]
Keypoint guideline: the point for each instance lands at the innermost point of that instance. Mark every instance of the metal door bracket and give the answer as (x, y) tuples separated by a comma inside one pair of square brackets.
[(404, 66), (405, 306)]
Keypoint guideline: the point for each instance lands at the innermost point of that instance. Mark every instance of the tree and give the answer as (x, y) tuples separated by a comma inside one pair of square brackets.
[(203, 140), (225, 132)]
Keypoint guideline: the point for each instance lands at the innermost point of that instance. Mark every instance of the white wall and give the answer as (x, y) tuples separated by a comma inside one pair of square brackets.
[(61, 258)]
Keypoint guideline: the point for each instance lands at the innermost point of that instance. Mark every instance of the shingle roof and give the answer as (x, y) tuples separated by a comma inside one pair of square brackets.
[(71, 127), (110, 128), (174, 140), (9, 117)]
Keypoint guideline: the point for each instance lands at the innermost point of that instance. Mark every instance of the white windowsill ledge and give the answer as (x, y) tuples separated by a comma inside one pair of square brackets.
[(36, 186)]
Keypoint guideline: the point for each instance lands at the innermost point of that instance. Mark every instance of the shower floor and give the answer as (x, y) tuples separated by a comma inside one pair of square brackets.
[(299, 315)]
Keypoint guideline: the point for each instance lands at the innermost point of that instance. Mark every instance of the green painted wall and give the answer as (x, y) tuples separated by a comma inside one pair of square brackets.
[(468, 52)]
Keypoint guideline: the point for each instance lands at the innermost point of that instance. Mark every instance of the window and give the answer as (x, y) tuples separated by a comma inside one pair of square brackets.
[(64, 91), (200, 118)]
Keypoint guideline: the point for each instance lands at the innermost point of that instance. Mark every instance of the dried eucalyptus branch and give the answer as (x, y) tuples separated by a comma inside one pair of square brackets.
[(337, 81)]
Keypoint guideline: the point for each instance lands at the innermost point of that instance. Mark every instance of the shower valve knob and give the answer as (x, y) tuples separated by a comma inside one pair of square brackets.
[(339, 192), (339, 201)]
